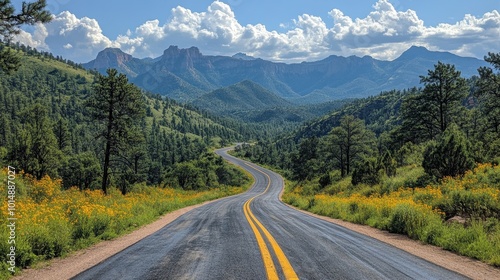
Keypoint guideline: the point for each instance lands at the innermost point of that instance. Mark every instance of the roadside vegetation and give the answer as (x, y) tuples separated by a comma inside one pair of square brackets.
[(53, 221), (457, 214), (421, 162)]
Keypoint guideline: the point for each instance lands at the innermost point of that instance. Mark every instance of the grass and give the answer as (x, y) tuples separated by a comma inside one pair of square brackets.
[(402, 205), (51, 222)]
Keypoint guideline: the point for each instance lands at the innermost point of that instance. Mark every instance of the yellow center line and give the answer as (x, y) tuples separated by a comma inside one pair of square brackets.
[(288, 270), (266, 255)]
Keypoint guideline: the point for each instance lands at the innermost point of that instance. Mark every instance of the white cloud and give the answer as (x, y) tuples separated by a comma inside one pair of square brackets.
[(68, 36), (384, 33)]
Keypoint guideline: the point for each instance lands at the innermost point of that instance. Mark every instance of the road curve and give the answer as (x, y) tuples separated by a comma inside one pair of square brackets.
[(256, 236)]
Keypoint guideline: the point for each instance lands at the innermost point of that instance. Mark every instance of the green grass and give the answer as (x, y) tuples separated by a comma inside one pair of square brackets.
[(407, 204)]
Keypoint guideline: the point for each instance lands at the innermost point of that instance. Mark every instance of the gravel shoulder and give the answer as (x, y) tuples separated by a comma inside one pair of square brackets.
[(70, 266)]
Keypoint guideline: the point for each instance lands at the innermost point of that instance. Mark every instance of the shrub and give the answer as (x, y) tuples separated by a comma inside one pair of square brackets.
[(367, 173), (406, 219), (450, 156)]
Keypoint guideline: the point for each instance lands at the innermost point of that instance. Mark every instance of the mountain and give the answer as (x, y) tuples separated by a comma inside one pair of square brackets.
[(250, 102), (116, 58), (187, 74), (243, 56), (243, 96)]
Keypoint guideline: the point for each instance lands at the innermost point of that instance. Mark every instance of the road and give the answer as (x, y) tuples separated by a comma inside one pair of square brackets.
[(256, 236)]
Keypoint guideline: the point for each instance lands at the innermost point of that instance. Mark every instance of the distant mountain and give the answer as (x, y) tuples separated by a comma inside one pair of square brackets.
[(243, 96), (243, 56), (187, 74), (116, 58)]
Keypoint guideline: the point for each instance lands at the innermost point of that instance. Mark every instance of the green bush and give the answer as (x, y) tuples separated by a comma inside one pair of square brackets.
[(406, 219), (367, 172), (450, 156), (468, 203)]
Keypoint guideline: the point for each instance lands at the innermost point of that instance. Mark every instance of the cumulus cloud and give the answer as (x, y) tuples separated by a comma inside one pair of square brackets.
[(384, 33), (68, 36)]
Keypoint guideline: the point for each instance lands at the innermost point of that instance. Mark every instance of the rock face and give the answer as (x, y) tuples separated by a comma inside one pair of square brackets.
[(115, 58), (112, 57), (186, 74)]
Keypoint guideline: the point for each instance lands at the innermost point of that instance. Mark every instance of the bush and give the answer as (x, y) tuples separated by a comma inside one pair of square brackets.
[(406, 219), (469, 203), (450, 156), (367, 173), (325, 180)]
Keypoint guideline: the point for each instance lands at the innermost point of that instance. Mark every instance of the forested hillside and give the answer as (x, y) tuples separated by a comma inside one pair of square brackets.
[(47, 127)]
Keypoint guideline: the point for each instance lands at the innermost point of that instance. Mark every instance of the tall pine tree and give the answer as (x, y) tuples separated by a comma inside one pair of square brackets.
[(118, 106)]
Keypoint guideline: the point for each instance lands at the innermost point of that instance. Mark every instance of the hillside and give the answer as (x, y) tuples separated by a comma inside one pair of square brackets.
[(380, 113), (187, 74), (243, 96), (56, 92)]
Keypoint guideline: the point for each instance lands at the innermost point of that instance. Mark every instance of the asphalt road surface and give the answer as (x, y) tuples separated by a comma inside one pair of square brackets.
[(255, 236)]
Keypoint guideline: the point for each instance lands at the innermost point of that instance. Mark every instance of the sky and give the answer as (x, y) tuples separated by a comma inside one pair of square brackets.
[(278, 30)]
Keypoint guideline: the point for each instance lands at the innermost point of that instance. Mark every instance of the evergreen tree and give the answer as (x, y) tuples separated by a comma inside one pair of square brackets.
[(349, 142), (429, 114), (367, 172), (450, 156), (117, 106), (489, 91), (31, 13), (305, 160), (35, 150), (81, 170), (61, 131)]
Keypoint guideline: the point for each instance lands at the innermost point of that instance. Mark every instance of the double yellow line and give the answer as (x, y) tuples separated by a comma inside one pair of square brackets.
[(257, 228)]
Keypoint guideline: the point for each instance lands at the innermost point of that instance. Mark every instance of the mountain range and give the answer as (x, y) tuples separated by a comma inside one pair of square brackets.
[(187, 74)]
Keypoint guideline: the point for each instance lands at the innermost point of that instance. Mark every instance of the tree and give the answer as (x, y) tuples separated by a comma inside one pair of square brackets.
[(367, 172), (305, 160), (61, 131), (187, 176), (81, 171), (450, 156), (35, 148), (31, 13), (349, 142), (429, 114), (489, 91), (117, 106)]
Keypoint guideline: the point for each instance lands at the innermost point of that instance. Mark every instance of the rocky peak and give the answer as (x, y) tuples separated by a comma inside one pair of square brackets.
[(243, 56), (183, 58), (111, 58)]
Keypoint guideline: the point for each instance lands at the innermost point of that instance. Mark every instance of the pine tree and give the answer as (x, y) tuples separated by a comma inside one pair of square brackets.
[(117, 106), (450, 156), (489, 91), (35, 148), (349, 142), (31, 13), (429, 114)]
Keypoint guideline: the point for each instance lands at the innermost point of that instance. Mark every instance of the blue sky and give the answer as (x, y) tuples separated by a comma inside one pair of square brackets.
[(279, 30)]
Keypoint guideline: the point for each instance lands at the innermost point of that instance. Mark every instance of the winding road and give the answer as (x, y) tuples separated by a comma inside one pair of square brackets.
[(255, 236)]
